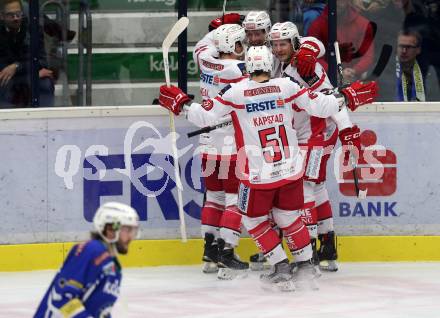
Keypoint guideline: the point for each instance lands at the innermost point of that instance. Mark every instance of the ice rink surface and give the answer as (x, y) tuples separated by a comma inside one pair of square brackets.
[(358, 290)]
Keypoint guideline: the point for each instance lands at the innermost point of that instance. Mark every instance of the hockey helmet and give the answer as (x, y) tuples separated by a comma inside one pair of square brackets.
[(117, 214), (285, 31), (259, 58), (225, 37), (257, 20)]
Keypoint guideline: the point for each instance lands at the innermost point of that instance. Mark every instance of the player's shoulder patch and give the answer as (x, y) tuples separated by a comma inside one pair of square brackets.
[(207, 104), (224, 90), (242, 67), (311, 80), (109, 269)]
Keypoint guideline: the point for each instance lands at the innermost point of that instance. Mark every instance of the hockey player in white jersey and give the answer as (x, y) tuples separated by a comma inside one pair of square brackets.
[(270, 163), (303, 52), (219, 56), (319, 135), (257, 25)]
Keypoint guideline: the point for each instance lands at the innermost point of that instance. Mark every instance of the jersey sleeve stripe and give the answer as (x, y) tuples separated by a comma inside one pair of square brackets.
[(200, 48), (228, 103), (198, 54), (291, 98), (318, 83), (233, 80)]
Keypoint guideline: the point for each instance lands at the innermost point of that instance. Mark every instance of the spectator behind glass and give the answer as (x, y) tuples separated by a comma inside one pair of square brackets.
[(431, 42), (410, 81), (353, 30), (370, 5), (311, 9), (15, 58)]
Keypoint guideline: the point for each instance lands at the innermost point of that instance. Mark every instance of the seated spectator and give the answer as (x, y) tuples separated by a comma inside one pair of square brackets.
[(311, 10), (355, 35), (410, 80), (15, 60)]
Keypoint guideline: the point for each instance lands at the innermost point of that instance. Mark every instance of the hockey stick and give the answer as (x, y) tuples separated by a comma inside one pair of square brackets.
[(365, 45), (174, 33), (382, 62), (207, 129), (224, 10), (361, 194)]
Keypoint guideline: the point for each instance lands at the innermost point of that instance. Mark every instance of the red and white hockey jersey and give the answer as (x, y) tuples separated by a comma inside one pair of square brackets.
[(215, 74), (262, 115), (314, 131)]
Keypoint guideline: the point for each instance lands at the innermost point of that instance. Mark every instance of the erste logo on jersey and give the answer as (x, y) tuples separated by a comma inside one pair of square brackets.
[(209, 79), (264, 105)]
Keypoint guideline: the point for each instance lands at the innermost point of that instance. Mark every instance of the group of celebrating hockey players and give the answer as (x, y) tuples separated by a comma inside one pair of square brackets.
[(267, 171)]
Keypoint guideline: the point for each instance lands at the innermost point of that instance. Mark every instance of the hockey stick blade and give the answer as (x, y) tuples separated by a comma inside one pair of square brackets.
[(366, 43), (174, 33), (382, 62), (361, 194)]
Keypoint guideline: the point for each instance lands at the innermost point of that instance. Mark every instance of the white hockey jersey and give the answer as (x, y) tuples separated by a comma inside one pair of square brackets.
[(314, 130), (262, 115), (215, 74)]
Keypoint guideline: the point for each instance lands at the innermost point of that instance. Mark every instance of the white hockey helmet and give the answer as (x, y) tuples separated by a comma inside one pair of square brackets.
[(225, 37), (117, 214), (285, 31), (259, 58), (257, 20)]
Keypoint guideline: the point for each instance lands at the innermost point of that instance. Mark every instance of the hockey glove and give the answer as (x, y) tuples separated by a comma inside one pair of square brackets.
[(172, 98), (228, 18), (350, 138), (359, 93), (305, 59)]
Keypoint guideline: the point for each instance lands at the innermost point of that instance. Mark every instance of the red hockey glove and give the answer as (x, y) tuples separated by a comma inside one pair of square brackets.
[(350, 138), (359, 93), (346, 50), (305, 58), (172, 98), (228, 18)]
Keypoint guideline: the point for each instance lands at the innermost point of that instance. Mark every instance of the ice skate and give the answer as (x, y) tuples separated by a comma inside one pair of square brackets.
[(327, 252), (279, 279), (315, 257), (210, 255), (305, 276), (229, 265), (258, 262)]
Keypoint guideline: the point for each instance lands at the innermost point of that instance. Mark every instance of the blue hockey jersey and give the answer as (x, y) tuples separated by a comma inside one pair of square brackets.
[(86, 286)]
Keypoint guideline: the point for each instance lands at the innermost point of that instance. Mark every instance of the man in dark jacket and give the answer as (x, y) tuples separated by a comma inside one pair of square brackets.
[(15, 60)]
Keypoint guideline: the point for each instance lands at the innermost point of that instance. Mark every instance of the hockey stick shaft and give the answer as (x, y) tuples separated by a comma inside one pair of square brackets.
[(352, 158), (207, 129), (224, 11), (384, 57), (174, 33)]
